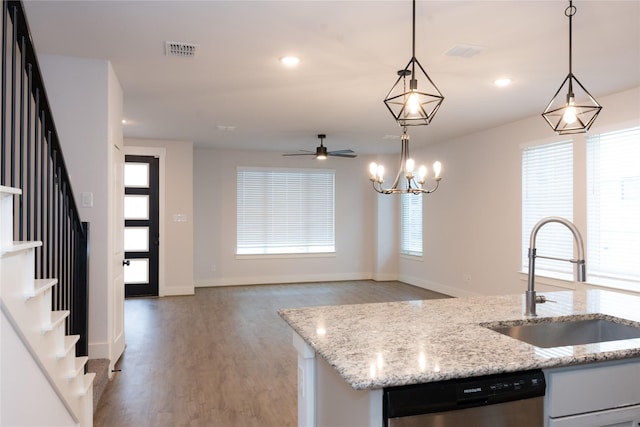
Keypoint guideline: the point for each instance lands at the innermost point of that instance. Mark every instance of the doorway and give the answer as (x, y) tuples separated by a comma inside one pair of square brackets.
[(141, 225)]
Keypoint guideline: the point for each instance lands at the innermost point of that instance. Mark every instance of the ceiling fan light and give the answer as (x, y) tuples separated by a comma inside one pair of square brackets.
[(321, 152)]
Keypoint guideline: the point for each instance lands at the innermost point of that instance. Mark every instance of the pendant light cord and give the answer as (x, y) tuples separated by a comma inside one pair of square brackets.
[(413, 43), (569, 12)]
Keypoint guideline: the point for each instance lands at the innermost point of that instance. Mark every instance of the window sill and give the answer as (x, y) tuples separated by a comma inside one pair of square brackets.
[(411, 257), (284, 256), (558, 280), (565, 281)]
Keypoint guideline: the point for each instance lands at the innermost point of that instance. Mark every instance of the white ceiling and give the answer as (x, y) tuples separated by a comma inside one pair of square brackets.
[(351, 51)]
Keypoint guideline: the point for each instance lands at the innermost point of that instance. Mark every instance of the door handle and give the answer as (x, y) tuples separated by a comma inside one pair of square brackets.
[(126, 262)]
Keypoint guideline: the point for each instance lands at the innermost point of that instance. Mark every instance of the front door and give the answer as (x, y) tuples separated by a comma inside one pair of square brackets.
[(141, 225)]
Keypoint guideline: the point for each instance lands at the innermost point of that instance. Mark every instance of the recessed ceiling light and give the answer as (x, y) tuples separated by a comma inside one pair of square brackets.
[(290, 61), (124, 121), (502, 82)]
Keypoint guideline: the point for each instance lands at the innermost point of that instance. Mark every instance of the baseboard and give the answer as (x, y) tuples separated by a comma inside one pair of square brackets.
[(177, 291), (99, 350), (438, 287), (265, 280)]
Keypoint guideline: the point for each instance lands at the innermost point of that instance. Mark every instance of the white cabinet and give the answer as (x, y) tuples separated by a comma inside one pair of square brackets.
[(594, 395), (621, 417)]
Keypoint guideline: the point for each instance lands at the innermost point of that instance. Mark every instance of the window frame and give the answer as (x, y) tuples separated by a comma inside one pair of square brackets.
[(568, 281), (271, 193), (411, 240)]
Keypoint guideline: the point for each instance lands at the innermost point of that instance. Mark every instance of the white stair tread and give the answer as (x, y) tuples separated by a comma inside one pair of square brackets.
[(40, 286), (57, 317), (9, 190), (69, 344), (87, 384), (19, 246)]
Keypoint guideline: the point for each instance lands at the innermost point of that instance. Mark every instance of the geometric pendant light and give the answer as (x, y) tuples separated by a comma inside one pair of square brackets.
[(409, 104), (572, 109)]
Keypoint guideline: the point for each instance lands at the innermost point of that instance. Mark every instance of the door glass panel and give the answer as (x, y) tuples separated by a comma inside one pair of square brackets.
[(136, 175), (136, 239), (137, 271), (136, 207)]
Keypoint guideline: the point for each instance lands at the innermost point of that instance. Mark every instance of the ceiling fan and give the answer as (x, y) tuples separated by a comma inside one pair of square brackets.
[(322, 153)]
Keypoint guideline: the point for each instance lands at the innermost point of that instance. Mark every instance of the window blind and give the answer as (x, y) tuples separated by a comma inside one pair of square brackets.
[(411, 224), (547, 190), (613, 205), (285, 211)]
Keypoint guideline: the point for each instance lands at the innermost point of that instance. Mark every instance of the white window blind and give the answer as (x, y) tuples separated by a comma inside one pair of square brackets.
[(547, 190), (285, 211), (613, 205), (411, 224)]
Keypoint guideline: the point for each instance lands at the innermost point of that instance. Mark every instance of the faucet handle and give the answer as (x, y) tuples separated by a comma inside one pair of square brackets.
[(541, 299)]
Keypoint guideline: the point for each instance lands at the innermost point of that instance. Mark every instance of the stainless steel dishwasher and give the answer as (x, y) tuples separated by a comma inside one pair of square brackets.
[(503, 400)]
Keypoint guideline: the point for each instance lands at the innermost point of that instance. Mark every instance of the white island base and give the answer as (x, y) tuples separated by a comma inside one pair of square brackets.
[(325, 399)]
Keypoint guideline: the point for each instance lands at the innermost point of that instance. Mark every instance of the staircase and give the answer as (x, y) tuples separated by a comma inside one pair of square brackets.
[(43, 383)]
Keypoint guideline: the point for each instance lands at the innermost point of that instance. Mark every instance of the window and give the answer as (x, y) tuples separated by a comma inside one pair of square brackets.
[(613, 205), (285, 211), (547, 190), (411, 224)]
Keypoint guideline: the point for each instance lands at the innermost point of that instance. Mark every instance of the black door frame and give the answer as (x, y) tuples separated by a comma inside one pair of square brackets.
[(152, 288)]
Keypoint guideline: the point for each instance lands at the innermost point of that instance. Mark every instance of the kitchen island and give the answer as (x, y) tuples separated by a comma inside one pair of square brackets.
[(364, 348)]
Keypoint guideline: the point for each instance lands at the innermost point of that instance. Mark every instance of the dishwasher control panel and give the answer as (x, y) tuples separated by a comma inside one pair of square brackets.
[(457, 394)]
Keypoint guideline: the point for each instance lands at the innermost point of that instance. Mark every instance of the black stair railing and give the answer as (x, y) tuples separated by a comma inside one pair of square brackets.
[(32, 160)]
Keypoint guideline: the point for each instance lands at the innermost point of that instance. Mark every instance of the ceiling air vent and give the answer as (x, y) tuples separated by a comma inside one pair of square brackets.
[(184, 50), (464, 50)]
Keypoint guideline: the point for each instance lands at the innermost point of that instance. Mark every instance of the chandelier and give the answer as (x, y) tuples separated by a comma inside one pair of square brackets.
[(408, 180), (410, 106), (576, 111)]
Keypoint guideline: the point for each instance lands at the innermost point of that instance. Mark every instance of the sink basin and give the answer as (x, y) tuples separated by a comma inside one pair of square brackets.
[(571, 332)]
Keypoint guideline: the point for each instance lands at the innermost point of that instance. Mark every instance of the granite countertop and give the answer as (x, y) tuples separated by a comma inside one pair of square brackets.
[(389, 344)]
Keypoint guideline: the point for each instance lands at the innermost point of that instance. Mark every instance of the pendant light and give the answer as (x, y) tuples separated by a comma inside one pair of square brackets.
[(409, 104), (572, 109)]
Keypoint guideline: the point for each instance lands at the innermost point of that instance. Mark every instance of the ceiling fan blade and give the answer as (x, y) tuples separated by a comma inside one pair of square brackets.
[(339, 154), (300, 154)]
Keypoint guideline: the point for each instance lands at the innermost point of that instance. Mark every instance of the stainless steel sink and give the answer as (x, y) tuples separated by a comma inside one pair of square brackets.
[(570, 332)]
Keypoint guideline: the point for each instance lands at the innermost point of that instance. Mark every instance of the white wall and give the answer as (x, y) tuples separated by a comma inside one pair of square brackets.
[(176, 194), (86, 100), (215, 262), (472, 223)]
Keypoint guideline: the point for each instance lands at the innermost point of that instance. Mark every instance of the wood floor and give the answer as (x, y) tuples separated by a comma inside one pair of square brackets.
[(222, 357)]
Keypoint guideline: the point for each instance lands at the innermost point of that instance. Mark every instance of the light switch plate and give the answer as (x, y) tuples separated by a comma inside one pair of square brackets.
[(87, 199), (179, 218)]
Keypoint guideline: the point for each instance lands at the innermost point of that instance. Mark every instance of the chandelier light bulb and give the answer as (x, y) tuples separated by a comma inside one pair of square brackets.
[(437, 169), (422, 174), (373, 170), (408, 170), (380, 174)]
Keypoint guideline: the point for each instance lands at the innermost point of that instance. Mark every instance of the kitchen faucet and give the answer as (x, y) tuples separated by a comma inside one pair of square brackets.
[(530, 295)]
